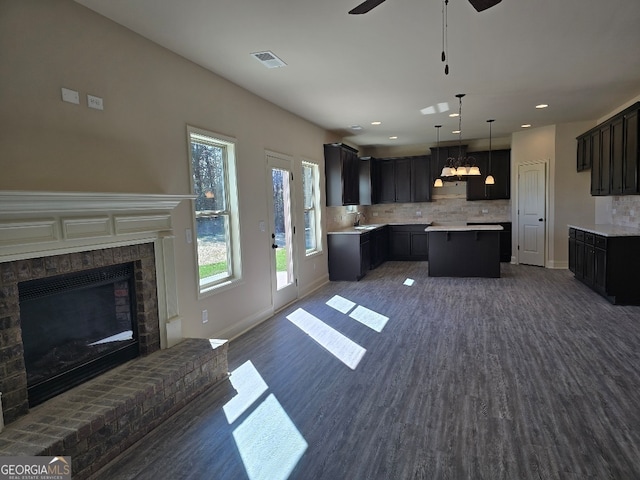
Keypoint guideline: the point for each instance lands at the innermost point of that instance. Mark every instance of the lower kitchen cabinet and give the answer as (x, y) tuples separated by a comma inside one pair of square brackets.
[(408, 242), (352, 255), (505, 238), (349, 255), (608, 264)]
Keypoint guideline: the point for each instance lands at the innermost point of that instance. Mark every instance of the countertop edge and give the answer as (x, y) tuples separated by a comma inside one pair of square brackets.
[(464, 228), (608, 230)]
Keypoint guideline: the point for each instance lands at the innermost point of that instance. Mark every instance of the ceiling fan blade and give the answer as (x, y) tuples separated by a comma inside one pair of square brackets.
[(365, 6), (481, 5)]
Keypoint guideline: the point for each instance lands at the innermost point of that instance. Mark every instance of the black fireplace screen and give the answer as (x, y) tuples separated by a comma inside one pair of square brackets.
[(76, 326)]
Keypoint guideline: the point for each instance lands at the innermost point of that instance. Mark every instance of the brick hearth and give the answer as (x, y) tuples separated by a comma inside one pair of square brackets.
[(99, 419)]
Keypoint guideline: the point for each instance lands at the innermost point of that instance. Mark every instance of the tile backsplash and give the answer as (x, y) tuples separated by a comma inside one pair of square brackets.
[(625, 211), (443, 211)]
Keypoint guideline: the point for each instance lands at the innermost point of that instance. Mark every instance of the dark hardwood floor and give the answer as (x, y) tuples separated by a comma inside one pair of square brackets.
[(527, 376)]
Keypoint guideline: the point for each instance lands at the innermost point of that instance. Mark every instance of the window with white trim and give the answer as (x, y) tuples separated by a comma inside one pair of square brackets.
[(311, 193), (213, 175)]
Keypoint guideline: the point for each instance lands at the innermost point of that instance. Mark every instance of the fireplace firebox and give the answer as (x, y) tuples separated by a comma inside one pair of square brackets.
[(76, 326)]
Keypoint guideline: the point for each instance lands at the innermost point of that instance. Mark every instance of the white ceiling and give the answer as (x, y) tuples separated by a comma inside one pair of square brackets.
[(579, 56)]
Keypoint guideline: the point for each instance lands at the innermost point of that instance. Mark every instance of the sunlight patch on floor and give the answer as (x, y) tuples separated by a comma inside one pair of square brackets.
[(249, 385), (371, 319), (269, 443), (341, 304), (343, 348)]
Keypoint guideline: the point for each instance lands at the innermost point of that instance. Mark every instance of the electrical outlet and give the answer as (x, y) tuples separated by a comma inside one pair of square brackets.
[(375, 214), (94, 102), (418, 213), (188, 235), (205, 316)]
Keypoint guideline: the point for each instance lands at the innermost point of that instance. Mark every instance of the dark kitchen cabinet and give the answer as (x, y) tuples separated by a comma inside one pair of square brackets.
[(505, 238), (421, 179), (631, 168), (342, 175), (352, 255), (596, 163), (366, 178), (607, 264), (500, 167), (403, 180), (349, 255), (408, 242), (615, 154), (617, 150), (379, 246), (584, 156), (386, 181)]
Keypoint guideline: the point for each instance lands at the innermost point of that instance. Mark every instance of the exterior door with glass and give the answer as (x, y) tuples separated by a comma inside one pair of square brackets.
[(282, 231)]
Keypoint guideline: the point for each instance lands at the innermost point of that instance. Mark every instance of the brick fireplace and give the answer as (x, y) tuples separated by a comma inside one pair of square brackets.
[(45, 234), (13, 382)]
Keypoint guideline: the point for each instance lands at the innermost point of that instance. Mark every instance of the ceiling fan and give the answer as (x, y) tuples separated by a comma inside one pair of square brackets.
[(367, 5)]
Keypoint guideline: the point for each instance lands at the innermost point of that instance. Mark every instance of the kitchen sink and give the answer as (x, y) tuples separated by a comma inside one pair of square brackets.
[(366, 227)]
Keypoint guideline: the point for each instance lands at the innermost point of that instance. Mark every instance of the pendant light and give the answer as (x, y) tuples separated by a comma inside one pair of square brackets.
[(490, 180), (461, 166), (438, 183)]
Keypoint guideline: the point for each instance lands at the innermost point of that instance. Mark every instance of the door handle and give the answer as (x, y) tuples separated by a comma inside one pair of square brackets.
[(274, 245), (541, 219)]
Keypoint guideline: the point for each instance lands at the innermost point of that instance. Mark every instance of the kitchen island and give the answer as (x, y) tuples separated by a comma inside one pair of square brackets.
[(464, 250)]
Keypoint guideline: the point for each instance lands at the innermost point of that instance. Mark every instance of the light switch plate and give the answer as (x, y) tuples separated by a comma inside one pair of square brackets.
[(70, 96)]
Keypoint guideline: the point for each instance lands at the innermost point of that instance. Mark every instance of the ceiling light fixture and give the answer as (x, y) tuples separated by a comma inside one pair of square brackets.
[(393, 137), (376, 123), (542, 105), (490, 180), (438, 183), (461, 166), (525, 125)]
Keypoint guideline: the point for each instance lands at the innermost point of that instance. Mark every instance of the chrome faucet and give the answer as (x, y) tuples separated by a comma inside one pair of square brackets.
[(357, 219)]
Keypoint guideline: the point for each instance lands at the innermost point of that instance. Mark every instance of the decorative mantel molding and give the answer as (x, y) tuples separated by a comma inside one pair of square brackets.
[(27, 203), (42, 224)]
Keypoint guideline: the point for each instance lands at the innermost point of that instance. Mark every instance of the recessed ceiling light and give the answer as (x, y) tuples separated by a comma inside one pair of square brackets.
[(393, 138), (376, 123), (542, 105), (525, 125), (456, 131), (454, 114), (355, 127)]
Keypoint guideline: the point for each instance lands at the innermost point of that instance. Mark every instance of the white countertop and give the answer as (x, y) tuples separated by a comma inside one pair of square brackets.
[(608, 230), (368, 228), (463, 228)]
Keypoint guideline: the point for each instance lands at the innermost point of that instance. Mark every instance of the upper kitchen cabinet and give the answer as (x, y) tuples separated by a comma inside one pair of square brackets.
[(421, 179), (403, 179), (499, 166), (342, 174), (584, 157), (614, 154)]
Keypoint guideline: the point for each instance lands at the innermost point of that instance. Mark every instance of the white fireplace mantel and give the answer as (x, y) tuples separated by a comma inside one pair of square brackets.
[(41, 224)]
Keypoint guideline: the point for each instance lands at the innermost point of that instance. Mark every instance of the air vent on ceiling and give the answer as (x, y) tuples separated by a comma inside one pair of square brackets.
[(268, 59)]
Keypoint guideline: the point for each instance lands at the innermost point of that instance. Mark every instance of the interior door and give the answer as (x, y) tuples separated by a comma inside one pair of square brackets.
[(531, 214), (282, 230)]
